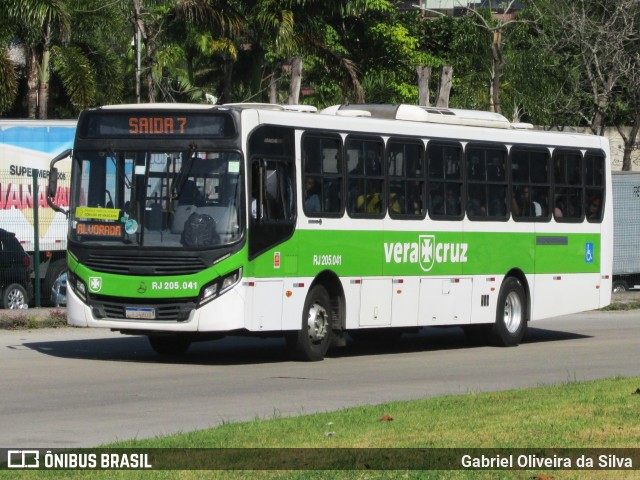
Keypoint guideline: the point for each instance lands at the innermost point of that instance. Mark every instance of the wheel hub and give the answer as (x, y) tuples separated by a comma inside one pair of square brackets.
[(318, 322), (512, 312), (16, 299)]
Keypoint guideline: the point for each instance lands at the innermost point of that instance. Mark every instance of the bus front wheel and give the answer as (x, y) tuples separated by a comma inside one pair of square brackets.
[(312, 341), (511, 315), (169, 344)]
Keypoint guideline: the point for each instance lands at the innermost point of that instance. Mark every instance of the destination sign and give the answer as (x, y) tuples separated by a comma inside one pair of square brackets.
[(156, 124), (101, 230)]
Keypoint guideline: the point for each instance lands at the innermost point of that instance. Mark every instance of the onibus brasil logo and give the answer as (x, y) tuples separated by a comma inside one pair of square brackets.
[(426, 251)]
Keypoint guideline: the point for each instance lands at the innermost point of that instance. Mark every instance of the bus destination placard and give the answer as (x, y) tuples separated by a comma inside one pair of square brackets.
[(100, 230), (158, 124)]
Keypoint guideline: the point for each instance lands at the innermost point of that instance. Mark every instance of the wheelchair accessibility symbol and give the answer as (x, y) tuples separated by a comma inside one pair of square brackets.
[(588, 253)]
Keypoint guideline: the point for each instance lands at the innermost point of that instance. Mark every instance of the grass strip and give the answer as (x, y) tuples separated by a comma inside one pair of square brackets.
[(23, 320), (596, 414)]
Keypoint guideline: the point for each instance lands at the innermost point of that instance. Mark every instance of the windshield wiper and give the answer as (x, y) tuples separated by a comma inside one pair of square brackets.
[(111, 154), (181, 178)]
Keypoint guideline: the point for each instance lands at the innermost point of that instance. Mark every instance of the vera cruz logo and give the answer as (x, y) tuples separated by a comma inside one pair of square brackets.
[(95, 284), (426, 251), (427, 243)]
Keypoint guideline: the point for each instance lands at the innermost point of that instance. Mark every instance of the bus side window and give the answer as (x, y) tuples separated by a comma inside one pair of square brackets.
[(594, 186), (531, 184), (321, 163), (405, 170), (568, 185), (365, 177), (445, 180)]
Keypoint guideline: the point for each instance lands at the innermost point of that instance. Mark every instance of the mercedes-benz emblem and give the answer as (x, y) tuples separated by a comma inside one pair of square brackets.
[(142, 288)]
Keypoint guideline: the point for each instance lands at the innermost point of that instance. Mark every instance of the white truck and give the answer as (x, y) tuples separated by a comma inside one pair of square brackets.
[(626, 231), (26, 145)]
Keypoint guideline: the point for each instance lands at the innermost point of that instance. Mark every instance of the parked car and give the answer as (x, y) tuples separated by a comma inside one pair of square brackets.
[(59, 291), (15, 272)]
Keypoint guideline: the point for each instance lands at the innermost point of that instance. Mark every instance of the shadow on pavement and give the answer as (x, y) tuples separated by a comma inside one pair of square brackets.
[(249, 350)]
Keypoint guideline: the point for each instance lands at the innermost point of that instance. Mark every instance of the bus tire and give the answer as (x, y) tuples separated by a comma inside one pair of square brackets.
[(312, 341), (169, 344), (14, 296), (511, 315), (619, 286), (54, 271)]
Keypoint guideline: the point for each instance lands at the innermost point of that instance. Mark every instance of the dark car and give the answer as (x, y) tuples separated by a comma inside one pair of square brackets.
[(15, 272)]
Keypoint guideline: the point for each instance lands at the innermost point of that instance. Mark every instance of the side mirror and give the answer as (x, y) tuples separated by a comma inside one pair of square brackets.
[(52, 188)]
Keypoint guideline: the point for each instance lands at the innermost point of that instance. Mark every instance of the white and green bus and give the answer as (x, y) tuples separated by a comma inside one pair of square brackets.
[(191, 222)]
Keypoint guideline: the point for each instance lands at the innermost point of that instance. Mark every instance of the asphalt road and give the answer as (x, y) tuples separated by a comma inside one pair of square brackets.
[(79, 387)]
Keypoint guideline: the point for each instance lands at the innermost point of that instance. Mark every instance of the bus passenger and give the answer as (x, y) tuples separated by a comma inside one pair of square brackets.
[(452, 203), (593, 213), (311, 198), (558, 211)]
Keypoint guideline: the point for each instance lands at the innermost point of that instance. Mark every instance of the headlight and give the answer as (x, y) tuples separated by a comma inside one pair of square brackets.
[(210, 291), (229, 281), (77, 285), (219, 286)]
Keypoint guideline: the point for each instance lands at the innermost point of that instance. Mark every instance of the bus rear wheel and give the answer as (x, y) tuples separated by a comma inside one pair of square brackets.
[(312, 341), (169, 344), (620, 286), (511, 315)]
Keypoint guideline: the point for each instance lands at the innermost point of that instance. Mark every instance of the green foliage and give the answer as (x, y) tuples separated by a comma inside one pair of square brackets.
[(385, 87), (78, 76), (8, 81), (235, 47)]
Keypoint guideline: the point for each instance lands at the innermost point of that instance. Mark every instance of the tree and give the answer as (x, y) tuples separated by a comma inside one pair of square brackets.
[(627, 104), (214, 28), (604, 34), (63, 61), (41, 22), (8, 73), (386, 46), (496, 24), (8, 81)]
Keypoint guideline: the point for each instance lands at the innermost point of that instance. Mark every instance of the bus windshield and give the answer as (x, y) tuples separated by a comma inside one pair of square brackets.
[(179, 199)]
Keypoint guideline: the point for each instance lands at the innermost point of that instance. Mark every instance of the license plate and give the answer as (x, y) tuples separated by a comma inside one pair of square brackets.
[(139, 312)]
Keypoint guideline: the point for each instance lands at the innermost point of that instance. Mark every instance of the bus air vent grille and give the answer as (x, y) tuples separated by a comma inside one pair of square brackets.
[(105, 307), (145, 265), (163, 312)]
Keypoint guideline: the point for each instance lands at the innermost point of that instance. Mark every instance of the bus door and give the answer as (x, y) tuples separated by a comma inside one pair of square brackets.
[(272, 218)]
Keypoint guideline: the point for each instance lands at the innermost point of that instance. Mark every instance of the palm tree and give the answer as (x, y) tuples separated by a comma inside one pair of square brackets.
[(8, 81), (42, 28), (40, 23), (213, 28), (290, 31)]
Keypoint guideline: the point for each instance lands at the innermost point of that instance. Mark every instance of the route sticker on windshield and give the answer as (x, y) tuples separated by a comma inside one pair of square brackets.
[(97, 213)]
